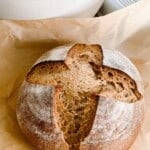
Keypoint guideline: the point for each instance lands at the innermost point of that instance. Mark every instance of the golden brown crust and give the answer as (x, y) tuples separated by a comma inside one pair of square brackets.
[(116, 123)]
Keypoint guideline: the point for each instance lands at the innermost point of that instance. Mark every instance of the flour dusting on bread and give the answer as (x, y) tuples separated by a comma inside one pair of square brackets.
[(82, 85)]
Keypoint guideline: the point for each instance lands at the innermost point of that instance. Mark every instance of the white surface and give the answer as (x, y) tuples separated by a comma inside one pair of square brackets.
[(112, 5), (39, 9)]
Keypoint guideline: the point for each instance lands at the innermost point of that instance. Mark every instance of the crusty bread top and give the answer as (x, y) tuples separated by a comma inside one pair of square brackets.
[(83, 68), (82, 77)]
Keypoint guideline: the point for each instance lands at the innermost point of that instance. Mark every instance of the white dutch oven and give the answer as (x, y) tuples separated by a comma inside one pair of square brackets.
[(39, 9), (113, 5)]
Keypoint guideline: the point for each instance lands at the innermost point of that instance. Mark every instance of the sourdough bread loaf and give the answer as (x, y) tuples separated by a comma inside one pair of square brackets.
[(80, 97)]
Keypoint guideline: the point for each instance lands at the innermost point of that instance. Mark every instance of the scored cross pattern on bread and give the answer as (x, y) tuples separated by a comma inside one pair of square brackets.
[(79, 80)]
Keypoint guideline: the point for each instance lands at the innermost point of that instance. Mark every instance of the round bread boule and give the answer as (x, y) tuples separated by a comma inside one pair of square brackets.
[(115, 125)]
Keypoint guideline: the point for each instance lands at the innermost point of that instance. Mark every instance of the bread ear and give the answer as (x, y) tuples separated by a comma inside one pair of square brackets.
[(87, 53)]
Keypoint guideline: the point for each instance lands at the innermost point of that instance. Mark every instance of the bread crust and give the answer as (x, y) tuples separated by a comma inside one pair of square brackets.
[(116, 123), (37, 116)]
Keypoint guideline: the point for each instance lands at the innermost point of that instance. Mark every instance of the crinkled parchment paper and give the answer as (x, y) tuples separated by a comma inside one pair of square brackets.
[(22, 42)]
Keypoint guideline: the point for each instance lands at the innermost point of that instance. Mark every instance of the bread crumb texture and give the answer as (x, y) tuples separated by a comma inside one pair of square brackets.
[(79, 81)]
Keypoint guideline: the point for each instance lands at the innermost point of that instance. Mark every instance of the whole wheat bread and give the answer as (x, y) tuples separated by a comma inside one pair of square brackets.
[(79, 81)]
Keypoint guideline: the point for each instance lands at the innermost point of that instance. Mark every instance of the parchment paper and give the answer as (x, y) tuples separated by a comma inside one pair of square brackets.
[(22, 42)]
